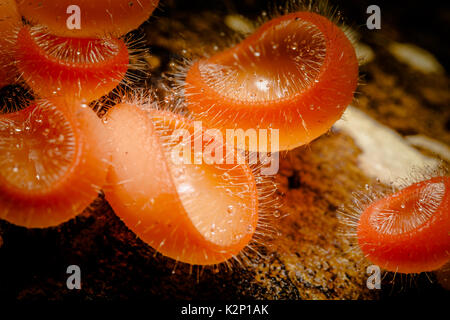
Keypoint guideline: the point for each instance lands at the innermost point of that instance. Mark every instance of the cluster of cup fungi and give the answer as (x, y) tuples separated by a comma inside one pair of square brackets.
[(296, 73)]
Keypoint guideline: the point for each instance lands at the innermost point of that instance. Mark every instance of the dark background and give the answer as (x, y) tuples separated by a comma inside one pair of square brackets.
[(424, 23)]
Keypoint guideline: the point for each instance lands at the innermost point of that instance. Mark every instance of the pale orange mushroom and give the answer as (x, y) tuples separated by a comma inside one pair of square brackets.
[(70, 68), (297, 73), (408, 231), (98, 18), (53, 163), (195, 213)]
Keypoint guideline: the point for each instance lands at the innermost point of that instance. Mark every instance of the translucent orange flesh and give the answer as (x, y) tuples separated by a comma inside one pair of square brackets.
[(51, 164), (296, 73), (195, 213), (408, 232), (10, 21), (98, 17), (71, 69)]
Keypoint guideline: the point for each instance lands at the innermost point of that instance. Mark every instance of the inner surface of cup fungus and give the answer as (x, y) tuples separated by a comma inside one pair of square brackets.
[(51, 165), (408, 231), (296, 73), (195, 213), (10, 21), (97, 18), (83, 69)]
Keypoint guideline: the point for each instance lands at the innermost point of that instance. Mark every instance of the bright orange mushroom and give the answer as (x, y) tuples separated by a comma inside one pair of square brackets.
[(408, 231), (70, 68), (10, 22), (296, 73), (195, 213), (52, 164), (97, 18)]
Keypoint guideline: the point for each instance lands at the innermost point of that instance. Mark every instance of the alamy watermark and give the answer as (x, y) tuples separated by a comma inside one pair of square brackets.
[(74, 20), (210, 147), (374, 20), (74, 280), (374, 279)]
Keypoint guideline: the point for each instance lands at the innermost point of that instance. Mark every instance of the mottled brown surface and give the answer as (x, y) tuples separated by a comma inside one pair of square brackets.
[(309, 259), (405, 100)]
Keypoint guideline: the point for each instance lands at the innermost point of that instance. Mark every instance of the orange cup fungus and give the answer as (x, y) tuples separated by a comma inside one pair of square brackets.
[(52, 164), (296, 73), (408, 231), (96, 18), (10, 21), (70, 68), (193, 212)]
